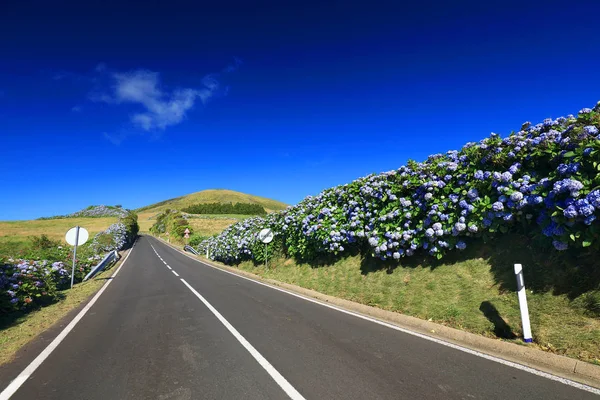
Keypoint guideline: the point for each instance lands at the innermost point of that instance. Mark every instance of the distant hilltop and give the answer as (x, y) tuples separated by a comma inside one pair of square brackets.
[(222, 196), (95, 212)]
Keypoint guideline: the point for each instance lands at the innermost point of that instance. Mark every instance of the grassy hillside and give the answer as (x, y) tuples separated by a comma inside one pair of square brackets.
[(208, 224), (14, 234), (213, 196)]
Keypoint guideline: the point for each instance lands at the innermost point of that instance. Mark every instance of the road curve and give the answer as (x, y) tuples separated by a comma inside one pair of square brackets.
[(169, 327)]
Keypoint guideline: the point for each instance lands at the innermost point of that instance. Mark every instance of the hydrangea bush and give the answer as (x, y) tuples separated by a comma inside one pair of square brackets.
[(25, 284), (113, 238), (543, 178)]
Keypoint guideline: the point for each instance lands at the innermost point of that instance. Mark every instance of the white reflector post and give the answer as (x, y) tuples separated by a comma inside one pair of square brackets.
[(523, 304)]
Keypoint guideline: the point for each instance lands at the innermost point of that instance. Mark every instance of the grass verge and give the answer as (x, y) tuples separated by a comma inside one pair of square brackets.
[(16, 333), (475, 293)]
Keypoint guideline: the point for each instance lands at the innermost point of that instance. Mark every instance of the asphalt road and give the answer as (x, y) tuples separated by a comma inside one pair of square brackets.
[(207, 334)]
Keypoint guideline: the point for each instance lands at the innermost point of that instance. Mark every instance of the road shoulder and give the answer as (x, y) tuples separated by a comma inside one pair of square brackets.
[(565, 367)]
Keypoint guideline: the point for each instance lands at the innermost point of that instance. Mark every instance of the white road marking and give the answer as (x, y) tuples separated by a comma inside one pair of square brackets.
[(534, 371), (30, 369), (281, 381), (169, 267), (175, 273)]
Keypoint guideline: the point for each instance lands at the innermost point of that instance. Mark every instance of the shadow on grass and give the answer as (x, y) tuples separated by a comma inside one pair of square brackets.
[(501, 328), (14, 318), (572, 272)]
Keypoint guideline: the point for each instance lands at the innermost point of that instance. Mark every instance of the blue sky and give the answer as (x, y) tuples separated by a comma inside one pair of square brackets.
[(107, 103)]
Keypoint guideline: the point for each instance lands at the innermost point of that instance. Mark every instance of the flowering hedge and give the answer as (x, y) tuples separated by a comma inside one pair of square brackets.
[(543, 178), (25, 284)]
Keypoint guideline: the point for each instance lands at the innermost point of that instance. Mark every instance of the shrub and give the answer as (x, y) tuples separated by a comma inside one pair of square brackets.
[(26, 285), (117, 236), (172, 222), (196, 239)]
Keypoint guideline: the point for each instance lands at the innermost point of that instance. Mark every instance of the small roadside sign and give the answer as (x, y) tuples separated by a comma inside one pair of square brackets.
[(266, 235), (76, 236), (187, 231), (187, 235)]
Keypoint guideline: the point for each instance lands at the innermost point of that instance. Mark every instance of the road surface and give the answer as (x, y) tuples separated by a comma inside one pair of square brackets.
[(169, 327)]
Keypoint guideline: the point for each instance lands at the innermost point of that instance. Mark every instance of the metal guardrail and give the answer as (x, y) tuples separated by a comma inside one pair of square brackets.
[(190, 249), (107, 260)]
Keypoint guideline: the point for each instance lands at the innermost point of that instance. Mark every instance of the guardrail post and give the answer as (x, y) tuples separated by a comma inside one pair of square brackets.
[(523, 304)]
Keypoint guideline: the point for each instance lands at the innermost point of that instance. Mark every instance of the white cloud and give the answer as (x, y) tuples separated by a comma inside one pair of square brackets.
[(161, 107), (76, 109)]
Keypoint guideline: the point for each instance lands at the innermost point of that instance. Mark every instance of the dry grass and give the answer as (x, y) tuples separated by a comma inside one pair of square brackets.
[(205, 226), (53, 228), (208, 227), (146, 219)]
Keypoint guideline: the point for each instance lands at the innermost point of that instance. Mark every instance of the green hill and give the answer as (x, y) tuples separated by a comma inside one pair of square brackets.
[(213, 196)]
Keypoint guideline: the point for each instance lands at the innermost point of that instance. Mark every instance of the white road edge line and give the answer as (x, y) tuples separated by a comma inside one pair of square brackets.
[(30, 369), (169, 267), (281, 381), (175, 273), (521, 367)]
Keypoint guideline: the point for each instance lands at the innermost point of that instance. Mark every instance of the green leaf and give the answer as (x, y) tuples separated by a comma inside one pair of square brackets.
[(587, 243), (569, 154), (572, 237)]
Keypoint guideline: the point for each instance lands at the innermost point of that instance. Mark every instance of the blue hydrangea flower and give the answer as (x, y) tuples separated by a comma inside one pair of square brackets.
[(506, 177), (497, 206), (560, 246), (516, 196), (461, 245), (584, 207)]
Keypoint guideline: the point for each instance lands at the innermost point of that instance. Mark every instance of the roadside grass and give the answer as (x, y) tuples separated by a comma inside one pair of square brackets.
[(474, 292), (17, 332), (17, 232)]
